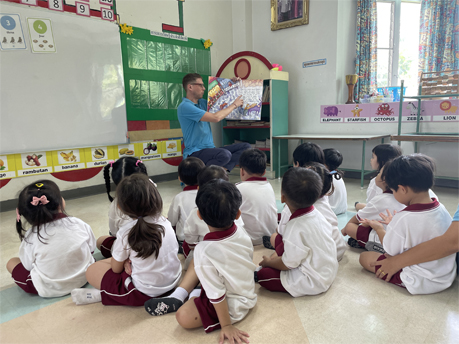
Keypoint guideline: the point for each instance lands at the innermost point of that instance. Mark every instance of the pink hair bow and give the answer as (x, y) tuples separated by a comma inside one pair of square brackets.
[(111, 162), (18, 216), (137, 162), (36, 201)]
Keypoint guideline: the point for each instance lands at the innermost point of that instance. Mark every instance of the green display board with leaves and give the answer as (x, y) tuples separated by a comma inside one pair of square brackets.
[(153, 71)]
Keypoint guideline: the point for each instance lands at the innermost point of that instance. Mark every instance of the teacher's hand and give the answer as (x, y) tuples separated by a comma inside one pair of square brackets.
[(238, 102)]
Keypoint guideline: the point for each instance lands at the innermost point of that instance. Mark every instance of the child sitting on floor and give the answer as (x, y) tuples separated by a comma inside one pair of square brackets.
[(302, 155), (144, 261), (195, 229), (337, 200), (377, 205), (259, 209), (222, 264), (56, 251), (184, 202), (324, 208), (410, 178), (123, 167), (305, 259)]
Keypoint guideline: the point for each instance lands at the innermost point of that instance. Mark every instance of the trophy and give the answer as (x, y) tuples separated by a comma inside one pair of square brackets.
[(351, 80)]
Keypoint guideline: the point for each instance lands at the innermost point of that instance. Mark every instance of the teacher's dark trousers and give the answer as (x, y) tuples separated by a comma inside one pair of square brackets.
[(227, 156)]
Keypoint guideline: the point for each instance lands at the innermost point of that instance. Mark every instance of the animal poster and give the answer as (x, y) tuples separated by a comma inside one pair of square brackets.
[(41, 35), (34, 163), (7, 166), (11, 33), (223, 92), (431, 111), (68, 160)]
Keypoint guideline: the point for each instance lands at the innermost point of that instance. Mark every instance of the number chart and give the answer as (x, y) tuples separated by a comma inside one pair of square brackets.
[(11, 34), (41, 35)]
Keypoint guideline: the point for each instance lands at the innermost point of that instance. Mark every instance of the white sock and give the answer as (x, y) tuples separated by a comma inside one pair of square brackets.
[(83, 296), (195, 293), (180, 294)]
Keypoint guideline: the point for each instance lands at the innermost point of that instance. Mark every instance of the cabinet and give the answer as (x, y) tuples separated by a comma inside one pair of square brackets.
[(275, 113)]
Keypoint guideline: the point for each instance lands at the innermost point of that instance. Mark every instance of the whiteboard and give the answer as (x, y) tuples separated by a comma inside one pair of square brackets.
[(73, 98)]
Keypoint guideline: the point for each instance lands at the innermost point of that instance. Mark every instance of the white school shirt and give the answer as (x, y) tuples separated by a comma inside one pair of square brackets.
[(338, 200), (379, 204), (151, 276), (414, 225), (285, 216), (324, 208), (259, 208), (223, 262), (180, 209), (58, 265), (116, 218), (309, 253)]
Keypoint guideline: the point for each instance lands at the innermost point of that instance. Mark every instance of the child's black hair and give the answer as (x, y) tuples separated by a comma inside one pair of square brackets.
[(189, 169), (415, 170), (211, 172), (253, 161), (333, 160), (137, 198), (40, 214), (385, 152), (307, 152), (122, 167), (301, 186), (324, 174), (218, 202)]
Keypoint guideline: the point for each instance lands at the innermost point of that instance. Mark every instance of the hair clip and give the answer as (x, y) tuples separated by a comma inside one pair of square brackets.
[(36, 201), (111, 162), (18, 216), (333, 172), (137, 162), (39, 185)]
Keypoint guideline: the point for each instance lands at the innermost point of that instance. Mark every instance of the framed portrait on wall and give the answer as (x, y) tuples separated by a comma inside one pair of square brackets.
[(289, 13)]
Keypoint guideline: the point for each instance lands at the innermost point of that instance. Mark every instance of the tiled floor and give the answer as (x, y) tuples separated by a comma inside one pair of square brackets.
[(358, 308)]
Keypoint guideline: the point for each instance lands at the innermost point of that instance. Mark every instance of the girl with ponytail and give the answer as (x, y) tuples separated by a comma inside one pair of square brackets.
[(56, 250), (144, 261), (120, 169)]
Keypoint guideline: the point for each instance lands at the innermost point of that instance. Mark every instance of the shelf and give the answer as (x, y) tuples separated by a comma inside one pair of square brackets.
[(247, 127)]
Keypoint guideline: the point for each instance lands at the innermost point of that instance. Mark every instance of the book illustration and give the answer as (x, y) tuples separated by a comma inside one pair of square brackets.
[(223, 92)]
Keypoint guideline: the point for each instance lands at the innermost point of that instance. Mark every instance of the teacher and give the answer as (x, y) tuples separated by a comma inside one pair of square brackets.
[(195, 123)]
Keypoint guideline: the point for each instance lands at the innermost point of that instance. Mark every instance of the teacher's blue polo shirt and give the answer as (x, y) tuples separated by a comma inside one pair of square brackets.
[(197, 134)]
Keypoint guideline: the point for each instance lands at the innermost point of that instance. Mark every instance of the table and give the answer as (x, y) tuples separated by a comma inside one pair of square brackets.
[(330, 137)]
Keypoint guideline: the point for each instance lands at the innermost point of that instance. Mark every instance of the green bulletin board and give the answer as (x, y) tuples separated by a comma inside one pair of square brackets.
[(153, 71)]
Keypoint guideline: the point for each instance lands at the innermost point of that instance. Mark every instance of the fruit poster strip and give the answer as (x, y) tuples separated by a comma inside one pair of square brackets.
[(172, 148), (68, 160), (11, 33), (34, 163), (98, 156), (41, 35), (126, 150), (7, 166), (150, 150)]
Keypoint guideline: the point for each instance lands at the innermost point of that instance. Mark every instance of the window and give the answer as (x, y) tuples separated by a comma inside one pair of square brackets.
[(398, 43)]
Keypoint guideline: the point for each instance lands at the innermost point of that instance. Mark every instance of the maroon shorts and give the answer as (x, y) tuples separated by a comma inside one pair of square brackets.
[(114, 291), (22, 278), (269, 278), (106, 247), (395, 278), (363, 234), (186, 248), (207, 312)]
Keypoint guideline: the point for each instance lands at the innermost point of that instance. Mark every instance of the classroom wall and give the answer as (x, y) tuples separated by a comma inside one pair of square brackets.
[(210, 19)]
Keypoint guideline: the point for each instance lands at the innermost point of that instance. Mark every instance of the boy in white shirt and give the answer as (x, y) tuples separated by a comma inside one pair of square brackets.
[(424, 218), (337, 200), (228, 289), (184, 202), (259, 209), (305, 259), (377, 205)]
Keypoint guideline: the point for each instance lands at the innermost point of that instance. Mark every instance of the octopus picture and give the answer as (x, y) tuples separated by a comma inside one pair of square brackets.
[(384, 109)]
